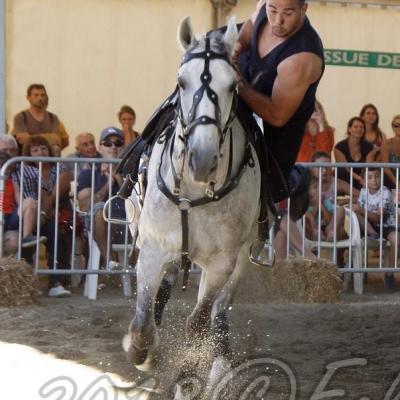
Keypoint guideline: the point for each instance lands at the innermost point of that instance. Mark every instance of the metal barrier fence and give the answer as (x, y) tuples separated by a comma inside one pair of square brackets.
[(356, 244), (357, 240), (22, 164)]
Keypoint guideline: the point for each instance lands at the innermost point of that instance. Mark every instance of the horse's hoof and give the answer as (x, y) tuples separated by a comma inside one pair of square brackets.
[(135, 356)]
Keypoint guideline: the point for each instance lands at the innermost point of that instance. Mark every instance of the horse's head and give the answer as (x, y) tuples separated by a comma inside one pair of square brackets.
[(207, 97)]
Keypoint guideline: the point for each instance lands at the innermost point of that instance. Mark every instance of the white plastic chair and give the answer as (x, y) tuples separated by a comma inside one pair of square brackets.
[(353, 243), (90, 290)]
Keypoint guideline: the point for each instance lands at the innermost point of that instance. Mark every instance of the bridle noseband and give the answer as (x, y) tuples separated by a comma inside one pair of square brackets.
[(192, 121)]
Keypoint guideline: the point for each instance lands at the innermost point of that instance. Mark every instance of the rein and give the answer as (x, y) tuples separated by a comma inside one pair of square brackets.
[(211, 195)]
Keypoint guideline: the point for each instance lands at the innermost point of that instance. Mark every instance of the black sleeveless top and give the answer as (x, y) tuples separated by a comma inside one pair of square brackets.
[(284, 142)]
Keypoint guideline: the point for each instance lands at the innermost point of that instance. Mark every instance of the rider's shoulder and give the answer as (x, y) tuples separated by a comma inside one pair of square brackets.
[(305, 63)]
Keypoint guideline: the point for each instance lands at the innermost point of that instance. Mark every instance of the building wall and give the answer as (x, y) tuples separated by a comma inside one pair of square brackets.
[(95, 55)]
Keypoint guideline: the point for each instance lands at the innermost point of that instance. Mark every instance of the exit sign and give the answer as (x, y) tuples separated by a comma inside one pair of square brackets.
[(366, 59)]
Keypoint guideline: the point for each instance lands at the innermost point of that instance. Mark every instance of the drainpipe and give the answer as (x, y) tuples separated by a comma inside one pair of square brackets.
[(2, 66), (221, 10)]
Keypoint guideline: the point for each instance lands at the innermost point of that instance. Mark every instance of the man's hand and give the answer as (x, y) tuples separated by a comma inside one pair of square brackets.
[(22, 137)]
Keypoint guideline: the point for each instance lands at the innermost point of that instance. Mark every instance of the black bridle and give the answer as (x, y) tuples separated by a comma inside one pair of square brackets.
[(192, 120), (230, 182)]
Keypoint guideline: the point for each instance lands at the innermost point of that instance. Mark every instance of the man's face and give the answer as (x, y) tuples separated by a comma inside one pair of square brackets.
[(285, 16), (38, 98), (9, 149), (110, 146), (86, 146)]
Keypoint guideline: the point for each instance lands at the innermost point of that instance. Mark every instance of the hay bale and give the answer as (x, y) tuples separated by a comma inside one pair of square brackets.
[(18, 285), (300, 280)]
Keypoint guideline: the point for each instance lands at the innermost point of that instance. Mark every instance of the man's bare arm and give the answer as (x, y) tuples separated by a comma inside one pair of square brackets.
[(295, 75)]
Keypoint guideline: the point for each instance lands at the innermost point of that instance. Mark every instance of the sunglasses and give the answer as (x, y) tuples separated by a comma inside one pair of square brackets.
[(396, 125), (116, 143)]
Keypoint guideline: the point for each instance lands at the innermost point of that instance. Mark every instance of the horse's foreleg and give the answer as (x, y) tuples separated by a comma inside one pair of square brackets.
[(222, 305), (164, 292), (213, 278), (142, 330)]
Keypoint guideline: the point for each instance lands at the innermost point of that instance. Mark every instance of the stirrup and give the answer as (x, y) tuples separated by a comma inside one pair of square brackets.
[(262, 253), (117, 221)]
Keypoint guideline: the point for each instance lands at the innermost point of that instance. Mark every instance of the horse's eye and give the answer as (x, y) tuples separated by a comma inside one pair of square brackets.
[(181, 82)]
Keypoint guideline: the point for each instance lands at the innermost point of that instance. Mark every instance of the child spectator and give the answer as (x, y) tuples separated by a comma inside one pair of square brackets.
[(376, 199)]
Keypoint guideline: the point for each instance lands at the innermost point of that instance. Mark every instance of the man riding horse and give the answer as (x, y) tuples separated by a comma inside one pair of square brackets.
[(279, 58)]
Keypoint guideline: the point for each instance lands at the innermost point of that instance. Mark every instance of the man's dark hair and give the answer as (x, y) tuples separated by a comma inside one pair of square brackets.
[(33, 86), (319, 154)]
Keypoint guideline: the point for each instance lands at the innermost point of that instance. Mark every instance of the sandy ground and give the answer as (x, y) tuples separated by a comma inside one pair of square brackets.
[(289, 346)]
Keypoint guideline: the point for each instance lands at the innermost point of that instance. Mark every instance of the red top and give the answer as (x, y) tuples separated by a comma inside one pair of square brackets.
[(7, 201), (322, 141)]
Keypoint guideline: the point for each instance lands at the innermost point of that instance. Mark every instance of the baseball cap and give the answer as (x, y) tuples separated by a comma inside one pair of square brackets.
[(111, 131)]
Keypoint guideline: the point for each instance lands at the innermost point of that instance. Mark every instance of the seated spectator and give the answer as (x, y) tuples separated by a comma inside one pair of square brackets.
[(328, 195), (299, 201), (318, 136), (38, 146), (127, 119), (36, 120), (370, 201), (390, 152), (373, 134), (9, 207), (85, 147), (111, 141), (354, 149), (9, 145)]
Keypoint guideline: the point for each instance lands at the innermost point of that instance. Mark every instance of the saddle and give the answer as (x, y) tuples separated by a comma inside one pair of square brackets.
[(274, 186)]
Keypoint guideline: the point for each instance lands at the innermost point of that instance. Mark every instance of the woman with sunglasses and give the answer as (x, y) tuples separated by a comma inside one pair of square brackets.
[(390, 152)]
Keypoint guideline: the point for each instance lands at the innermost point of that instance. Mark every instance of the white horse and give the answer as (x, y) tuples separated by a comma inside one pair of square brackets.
[(202, 196)]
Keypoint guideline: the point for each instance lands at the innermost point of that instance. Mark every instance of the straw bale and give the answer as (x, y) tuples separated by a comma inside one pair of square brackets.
[(18, 285), (300, 280)]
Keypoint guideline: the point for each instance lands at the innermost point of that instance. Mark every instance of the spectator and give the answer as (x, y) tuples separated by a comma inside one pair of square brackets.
[(373, 134), (36, 120), (111, 141), (318, 136), (9, 145), (38, 146), (85, 147), (9, 208), (390, 152), (370, 201), (354, 149), (328, 195), (127, 119)]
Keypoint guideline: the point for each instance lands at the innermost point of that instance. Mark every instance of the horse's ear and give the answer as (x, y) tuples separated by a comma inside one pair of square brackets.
[(186, 37), (231, 35)]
